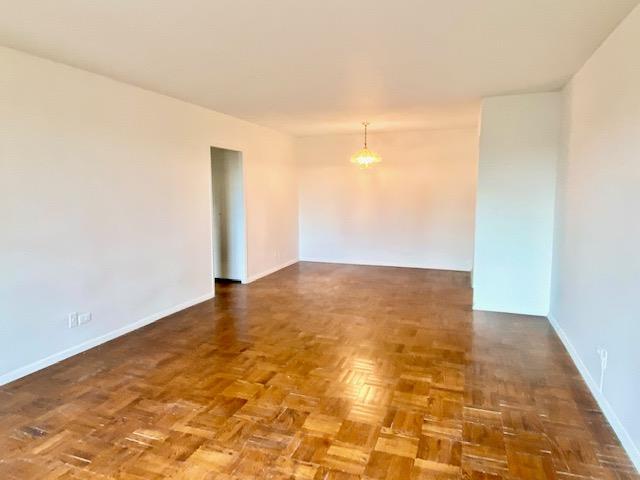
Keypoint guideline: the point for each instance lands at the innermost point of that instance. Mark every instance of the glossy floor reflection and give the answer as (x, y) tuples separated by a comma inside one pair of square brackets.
[(319, 371)]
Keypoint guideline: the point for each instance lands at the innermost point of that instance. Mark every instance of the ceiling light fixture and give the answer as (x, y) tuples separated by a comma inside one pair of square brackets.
[(365, 157)]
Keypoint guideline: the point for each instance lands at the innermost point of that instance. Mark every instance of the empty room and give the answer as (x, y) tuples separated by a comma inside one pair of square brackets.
[(336, 240)]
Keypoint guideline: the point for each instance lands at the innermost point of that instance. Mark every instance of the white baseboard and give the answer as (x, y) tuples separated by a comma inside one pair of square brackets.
[(624, 437), (94, 342), (382, 264), (253, 278)]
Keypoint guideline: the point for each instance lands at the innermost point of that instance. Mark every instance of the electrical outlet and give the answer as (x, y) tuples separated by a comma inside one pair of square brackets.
[(84, 318), (73, 320)]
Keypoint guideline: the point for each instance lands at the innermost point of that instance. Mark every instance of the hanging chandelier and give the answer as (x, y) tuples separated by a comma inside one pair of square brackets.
[(365, 157)]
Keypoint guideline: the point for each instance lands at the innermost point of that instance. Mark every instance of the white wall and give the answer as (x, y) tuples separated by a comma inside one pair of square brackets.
[(519, 146), (596, 267), (415, 209), (105, 205), (229, 246)]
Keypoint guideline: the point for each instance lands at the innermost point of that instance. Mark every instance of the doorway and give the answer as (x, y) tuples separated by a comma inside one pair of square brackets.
[(229, 223)]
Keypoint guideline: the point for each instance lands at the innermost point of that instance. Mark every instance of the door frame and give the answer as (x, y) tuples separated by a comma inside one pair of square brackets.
[(245, 236)]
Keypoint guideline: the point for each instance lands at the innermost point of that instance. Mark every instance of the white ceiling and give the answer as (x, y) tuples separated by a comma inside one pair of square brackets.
[(320, 66)]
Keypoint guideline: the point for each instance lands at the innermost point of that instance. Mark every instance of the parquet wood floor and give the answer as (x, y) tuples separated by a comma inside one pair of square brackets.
[(319, 371)]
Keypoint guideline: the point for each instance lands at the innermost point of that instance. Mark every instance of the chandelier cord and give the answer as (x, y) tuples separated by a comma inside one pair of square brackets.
[(365, 133)]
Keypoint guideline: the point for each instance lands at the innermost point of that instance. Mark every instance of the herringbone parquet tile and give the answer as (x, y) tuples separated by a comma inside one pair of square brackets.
[(316, 372)]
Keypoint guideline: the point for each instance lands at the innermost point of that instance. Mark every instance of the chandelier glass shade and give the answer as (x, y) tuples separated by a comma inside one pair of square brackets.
[(364, 157)]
